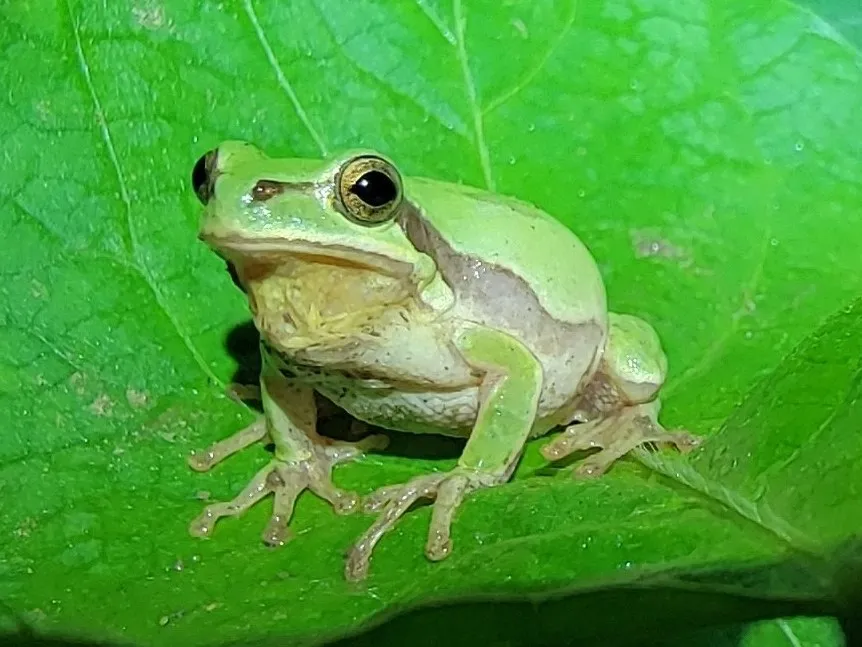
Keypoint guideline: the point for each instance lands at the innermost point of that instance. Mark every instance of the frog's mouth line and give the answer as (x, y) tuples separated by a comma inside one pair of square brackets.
[(235, 249)]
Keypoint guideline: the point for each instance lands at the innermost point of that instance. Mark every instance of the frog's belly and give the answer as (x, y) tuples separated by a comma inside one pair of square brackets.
[(411, 379), (408, 379), (449, 413)]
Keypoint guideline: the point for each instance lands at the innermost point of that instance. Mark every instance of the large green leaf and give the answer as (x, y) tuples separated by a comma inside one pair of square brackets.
[(706, 152), (841, 15)]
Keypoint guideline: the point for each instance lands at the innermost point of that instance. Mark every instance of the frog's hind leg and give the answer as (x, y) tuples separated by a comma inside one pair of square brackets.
[(615, 435), (620, 405)]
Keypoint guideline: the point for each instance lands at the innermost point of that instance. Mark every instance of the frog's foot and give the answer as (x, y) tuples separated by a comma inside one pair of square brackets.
[(615, 435), (287, 479), (447, 488)]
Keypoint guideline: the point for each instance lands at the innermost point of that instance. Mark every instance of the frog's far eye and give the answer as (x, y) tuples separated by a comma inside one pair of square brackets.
[(369, 190), (202, 176)]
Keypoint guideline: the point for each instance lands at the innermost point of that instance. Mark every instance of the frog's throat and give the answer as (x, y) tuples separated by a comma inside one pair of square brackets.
[(239, 250)]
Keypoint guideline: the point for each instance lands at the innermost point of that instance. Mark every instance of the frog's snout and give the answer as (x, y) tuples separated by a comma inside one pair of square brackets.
[(203, 175)]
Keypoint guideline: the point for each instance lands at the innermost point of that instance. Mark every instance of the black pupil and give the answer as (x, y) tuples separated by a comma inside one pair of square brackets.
[(375, 188)]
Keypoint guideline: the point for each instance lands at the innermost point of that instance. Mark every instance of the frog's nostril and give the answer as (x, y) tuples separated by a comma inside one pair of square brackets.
[(202, 176)]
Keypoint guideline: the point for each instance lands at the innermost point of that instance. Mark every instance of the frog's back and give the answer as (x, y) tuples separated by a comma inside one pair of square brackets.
[(514, 268), (519, 238)]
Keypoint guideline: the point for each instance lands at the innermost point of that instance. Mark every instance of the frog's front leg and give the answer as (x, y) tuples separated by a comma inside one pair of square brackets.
[(509, 395), (303, 459), (619, 409)]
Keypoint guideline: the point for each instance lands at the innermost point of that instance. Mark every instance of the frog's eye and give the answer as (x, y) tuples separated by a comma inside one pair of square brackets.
[(369, 190), (202, 176)]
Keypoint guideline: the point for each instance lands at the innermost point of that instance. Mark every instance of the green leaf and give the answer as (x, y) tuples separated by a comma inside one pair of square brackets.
[(706, 153), (803, 632), (843, 16), (665, 617)]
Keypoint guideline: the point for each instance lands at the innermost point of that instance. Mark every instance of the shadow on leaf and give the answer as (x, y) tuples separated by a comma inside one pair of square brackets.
[(674, 607)]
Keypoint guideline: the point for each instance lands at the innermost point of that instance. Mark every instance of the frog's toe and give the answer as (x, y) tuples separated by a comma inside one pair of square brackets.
[(448, 490), (216, 453), (595, 466), (339, 451), (395, 500), (257, 489), (450, 494), (286, 480), (342, 501), (615, 436), (286, 484), (683, 440), (380, 498), (572, 439)]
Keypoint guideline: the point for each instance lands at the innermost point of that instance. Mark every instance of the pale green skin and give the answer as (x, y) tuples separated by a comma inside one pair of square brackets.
[(587, 366)]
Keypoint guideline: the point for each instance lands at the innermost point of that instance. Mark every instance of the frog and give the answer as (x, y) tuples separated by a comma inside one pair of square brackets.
[(419, 306)]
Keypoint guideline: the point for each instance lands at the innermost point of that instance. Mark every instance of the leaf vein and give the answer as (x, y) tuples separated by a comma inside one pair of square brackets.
[(528, 77), (139, 266), (822, 27), (713, 351), (282, 79), (681, 472), (435, 20), (469, 83), (834, 412), (788, 632), (387, 86)]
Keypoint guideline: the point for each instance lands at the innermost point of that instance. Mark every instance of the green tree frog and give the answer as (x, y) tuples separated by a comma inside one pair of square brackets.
[(418, 306)]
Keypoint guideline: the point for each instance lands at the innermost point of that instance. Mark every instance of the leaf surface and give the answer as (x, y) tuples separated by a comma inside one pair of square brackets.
[(704, 152)]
